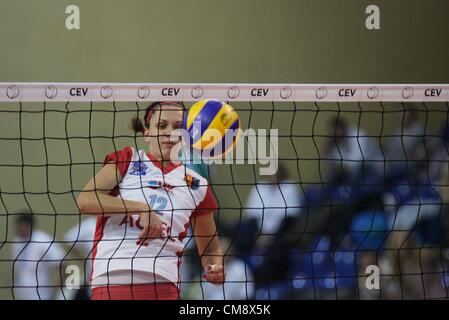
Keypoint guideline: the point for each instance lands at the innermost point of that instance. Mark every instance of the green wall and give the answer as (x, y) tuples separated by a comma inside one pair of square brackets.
[(224, 41)]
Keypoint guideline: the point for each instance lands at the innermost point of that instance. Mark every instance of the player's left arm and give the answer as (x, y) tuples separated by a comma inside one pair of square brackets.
[(209, 247)]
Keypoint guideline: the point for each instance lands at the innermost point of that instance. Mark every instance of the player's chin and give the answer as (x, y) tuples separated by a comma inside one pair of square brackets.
[(166, 149), (167, 146), (165, 153)]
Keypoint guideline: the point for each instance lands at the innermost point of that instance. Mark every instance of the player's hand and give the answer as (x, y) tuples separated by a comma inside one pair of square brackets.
[(215, 274), (152, 227)]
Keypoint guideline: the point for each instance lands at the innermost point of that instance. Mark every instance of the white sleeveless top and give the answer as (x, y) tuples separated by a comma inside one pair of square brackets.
[(175, 193)]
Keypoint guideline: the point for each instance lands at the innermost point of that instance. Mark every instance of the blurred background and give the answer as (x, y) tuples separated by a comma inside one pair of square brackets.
[(359, 184)]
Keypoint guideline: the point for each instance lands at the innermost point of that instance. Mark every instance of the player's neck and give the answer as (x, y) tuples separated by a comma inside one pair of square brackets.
[(159, 158), (162, 163)]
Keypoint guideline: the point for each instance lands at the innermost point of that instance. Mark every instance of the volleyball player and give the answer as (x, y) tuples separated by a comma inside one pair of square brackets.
[(145, 203)]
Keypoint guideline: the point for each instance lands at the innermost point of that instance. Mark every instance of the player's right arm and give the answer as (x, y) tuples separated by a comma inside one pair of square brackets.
[(95, 199)]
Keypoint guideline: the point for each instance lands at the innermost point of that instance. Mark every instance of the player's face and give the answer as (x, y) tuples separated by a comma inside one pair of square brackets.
[(23, 230), (162, 124)]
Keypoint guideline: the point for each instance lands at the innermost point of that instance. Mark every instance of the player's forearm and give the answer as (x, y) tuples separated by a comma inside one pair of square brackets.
[(99, 203), (213, 254)]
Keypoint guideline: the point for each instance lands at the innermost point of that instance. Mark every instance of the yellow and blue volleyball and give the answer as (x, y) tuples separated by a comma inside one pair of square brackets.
[(213, 126)]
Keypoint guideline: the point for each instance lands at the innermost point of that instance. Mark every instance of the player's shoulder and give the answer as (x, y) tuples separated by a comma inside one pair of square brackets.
[(123, 154), (192, 173), (125, 149)]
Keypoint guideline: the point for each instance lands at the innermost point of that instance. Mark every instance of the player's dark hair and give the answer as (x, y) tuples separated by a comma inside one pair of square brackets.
[(137, 125), (25, 218), (337, 122), (282, 172), (411, 110)]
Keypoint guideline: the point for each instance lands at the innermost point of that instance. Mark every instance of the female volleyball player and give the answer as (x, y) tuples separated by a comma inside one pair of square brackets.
[(145, 203)]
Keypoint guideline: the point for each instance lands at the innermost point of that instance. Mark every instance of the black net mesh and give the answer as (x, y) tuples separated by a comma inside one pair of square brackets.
[(356, 210)]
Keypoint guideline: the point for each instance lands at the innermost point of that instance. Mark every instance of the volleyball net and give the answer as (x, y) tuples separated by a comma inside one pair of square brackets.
[(336, 191)]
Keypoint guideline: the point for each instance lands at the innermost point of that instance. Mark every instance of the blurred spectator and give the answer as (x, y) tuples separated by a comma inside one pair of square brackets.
[(368, 231), (414, 151), (37, 260), (79, 242), (407, 142), (190, 267), (445, 134), (270, 202), (273, 205), (443, 190), (351, 154), (414, 242), (443, 185), (434, 155)]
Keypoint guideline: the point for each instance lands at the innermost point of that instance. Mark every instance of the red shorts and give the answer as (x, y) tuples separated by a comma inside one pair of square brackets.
[(156, 291)]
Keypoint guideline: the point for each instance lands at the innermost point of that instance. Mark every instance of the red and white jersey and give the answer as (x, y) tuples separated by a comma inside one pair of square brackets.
[(176, 193)]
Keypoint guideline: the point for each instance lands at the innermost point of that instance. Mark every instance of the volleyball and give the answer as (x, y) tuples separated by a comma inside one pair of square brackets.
[(213, 127)]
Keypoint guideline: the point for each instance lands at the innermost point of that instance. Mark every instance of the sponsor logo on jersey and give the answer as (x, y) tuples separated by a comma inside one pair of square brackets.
[(192, 182), (155, 184), (138, 169)]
